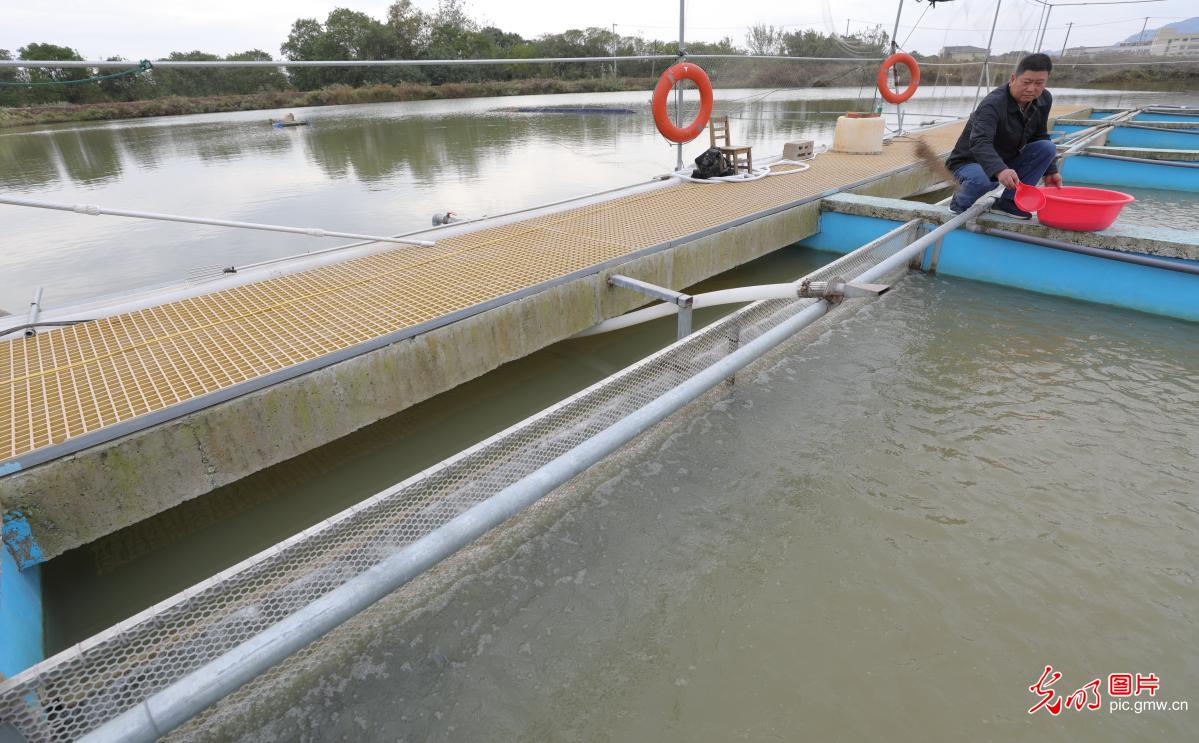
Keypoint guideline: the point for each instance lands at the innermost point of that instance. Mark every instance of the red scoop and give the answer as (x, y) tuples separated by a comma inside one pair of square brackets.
[(1029, 198)]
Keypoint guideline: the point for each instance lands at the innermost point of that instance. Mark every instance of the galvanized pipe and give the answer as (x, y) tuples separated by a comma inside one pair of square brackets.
[(126, 64), (1113, 255), (199, 690), (57, 64)]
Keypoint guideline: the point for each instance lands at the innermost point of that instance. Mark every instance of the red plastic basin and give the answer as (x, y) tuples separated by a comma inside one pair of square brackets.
[(1079, 208)]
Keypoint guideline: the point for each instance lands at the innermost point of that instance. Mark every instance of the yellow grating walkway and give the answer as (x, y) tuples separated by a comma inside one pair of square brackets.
[(65, 383)]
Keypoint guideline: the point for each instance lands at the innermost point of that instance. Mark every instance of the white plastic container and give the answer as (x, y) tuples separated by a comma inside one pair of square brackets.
[(859, 135)]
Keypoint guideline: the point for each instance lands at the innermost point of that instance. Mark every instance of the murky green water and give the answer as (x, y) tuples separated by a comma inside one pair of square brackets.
[(374, 169), (889, 532)]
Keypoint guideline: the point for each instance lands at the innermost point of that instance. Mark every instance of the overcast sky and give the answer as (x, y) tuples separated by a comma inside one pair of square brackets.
[(102, 28)]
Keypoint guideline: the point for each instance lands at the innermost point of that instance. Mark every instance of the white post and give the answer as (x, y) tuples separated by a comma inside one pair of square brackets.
[(615, 40)]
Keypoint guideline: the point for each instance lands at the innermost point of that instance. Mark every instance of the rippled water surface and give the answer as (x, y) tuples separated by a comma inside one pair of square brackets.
[(887, 532), (1177, 210)]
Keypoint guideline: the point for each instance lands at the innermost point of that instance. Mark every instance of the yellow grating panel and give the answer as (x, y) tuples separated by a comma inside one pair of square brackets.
[(64, 383)]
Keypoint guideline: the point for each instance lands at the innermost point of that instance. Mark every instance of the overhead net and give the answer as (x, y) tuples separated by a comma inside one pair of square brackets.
[(80, 689)]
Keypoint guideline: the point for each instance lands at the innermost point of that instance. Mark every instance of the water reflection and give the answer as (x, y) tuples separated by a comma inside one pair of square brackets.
[(27, 162), (90, 157), (380, 168)]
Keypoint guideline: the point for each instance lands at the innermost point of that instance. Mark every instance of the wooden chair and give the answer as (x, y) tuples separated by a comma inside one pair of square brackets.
[(738, 157)]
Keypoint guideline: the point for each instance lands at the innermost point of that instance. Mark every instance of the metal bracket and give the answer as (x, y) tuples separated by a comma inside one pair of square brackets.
[(837, 289), (936, 256), (683, 301)]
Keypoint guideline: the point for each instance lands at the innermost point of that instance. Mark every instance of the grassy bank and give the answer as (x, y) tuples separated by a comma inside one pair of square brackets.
[(330, 96), (724, 74)]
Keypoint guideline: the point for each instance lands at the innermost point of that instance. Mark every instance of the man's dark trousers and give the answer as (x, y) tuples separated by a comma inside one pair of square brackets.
[(1030, 165)]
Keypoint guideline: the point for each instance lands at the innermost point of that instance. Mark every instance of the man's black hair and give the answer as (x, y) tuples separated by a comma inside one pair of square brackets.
[(1035, 63)]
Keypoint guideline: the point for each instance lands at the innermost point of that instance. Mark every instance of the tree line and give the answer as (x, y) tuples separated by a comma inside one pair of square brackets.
[(407, 32)]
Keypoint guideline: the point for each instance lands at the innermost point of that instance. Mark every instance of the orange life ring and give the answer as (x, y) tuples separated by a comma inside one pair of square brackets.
[(906, 60), (673, 74)]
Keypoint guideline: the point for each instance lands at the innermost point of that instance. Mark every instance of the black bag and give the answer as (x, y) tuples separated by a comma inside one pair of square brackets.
[(712, 164)]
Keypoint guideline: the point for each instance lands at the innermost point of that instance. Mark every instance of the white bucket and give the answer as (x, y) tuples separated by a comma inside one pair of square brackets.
[(863, 136)]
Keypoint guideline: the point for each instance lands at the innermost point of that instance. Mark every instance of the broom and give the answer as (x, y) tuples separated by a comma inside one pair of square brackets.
[(935, 164)]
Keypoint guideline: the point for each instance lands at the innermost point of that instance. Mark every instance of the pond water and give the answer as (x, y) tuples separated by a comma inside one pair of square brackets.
[(373, 169), (894, 527)]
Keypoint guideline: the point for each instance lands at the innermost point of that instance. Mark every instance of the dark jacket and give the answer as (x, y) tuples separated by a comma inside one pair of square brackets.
[(998, 130)]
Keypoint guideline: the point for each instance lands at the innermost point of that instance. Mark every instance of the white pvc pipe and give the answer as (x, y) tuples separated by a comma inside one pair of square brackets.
[(96, 210)]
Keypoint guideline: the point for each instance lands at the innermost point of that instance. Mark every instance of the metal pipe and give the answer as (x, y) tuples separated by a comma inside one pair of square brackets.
[(168, 709), (1171, 130), (96, 210), (1149, 160), (1075, 147), (901, 257), (125, 64), (1114, 255), (57, 64), (1048, 15), (456, 225), (678, 93), (1170, 109), (987, 59), (100, 63), (35, 307), (651, 290), (1040, 20), (894, 74), (1066, 41), (739, 295)]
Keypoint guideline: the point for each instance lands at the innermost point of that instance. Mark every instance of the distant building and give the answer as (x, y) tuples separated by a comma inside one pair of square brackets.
[(963, 53), (1169, 43), (1094, 51)]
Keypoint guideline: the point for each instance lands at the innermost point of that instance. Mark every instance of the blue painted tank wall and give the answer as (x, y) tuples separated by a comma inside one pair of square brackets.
[(20, 615), (1117, 173), (1033, 268), (1149, 116), (1154, 139)]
